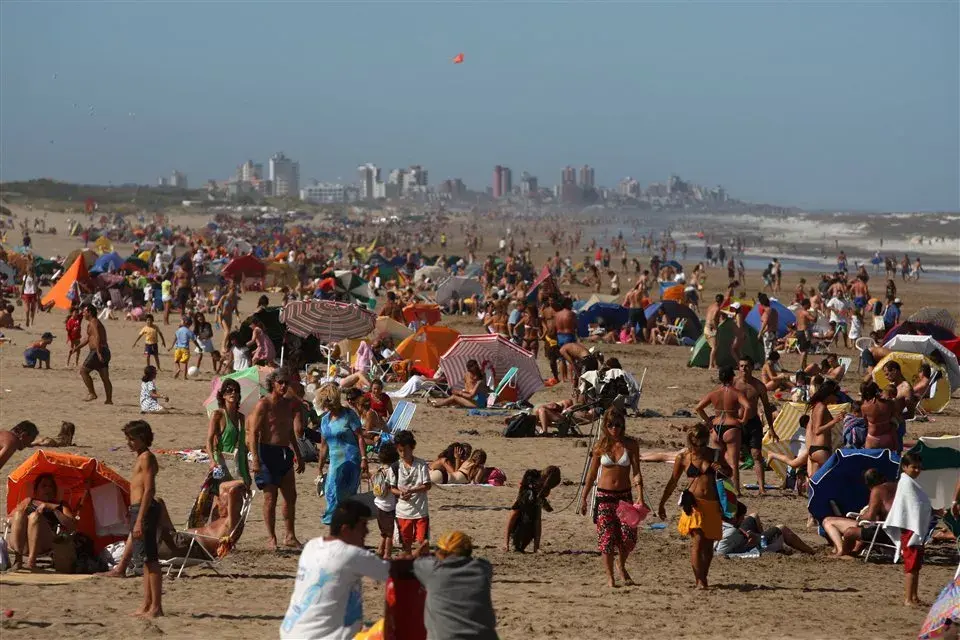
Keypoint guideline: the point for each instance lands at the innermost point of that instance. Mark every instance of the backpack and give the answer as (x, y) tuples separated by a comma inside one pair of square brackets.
[(522, 425)]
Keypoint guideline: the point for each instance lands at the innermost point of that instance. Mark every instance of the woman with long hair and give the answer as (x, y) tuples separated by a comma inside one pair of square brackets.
[(880, 414), (613, 459), (342, 434), (701, 517), (819, 439), (475, 390), (226, 433), (729, 406)]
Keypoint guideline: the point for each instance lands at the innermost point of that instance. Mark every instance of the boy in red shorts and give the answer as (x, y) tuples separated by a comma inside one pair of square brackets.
[(410, 481), (908, 523)]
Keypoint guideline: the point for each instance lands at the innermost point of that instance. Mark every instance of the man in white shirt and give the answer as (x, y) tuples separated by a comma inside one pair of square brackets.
[(327, 601), (839, 308)]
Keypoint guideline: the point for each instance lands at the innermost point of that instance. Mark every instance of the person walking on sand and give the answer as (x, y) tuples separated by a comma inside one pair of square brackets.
[(99, 357), (751, 433), (144, 516), (276, 421)]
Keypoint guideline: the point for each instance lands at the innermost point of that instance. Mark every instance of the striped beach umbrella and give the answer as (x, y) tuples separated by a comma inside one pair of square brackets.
[(327, 320), (350, 284), (496, 352)]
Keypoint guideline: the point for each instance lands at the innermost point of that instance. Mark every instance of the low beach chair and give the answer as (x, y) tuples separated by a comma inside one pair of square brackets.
[(399, 421), (197, 554)]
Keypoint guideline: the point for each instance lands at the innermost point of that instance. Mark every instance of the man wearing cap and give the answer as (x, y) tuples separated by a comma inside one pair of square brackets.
[(459, 604), (38, 353)]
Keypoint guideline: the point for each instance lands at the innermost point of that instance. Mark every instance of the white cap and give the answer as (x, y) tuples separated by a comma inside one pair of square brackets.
[(897, 301), (735, 305)]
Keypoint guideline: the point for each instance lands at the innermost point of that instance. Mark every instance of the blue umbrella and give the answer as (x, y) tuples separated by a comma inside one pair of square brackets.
[(613, 315), (673, 263), (675, 310), (840, 480), (784, 317), (108, 262)]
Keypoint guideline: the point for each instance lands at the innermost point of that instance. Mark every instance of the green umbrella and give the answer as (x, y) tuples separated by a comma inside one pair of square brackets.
[(354, 286)]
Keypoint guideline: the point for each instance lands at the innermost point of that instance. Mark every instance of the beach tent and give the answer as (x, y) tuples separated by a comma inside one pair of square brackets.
[(840, 480), (98, 495), (583, 305), (672, 292), (751, 347), (245, 266), (785, 317), (65, 290), (108, 262), (792, 437), (928, 346), (424, 348), (464, 288), (613, 316), (674, 310), (941, 468), (910, 367)]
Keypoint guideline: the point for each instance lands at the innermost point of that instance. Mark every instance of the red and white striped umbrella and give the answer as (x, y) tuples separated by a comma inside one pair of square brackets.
[(496, 352), (328, 320)]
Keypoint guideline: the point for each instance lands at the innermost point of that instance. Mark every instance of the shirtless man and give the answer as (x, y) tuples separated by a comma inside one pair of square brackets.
[(99, 357), (769, 323), (844, 533), (565, 322), (860, 294), (712, 322), (551, 346), (729, 406), (183, 281), (272, 441), (21, 436), (637, 320), (905, 398), (805, 321), (751, 433)]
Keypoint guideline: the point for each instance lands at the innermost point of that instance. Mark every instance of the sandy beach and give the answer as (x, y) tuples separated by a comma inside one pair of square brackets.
[(558, 593)]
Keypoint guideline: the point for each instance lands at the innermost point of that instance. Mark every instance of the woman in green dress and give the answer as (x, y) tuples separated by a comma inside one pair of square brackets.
[(226, 434)]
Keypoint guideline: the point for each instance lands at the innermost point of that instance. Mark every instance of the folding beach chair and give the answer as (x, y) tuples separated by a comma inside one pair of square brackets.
[(878, 525), (845, 362), (505, 381), (399, 421), (861, 345), (676, 329), (202, 557)]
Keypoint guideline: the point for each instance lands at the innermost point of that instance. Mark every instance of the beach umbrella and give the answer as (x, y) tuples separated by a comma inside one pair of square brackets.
[(676, 265), (941, 468), (784, 317), (952, 345), (44, 267), (329, 321), (244, 267), (424, 348), (252, 387), (464, 287), (673, 292), (389, 327), (496, 352), (910, 368), (432, 272), (108, 262), (937, 316), (613, 316), (674, 310), (944, 614), (422, 313), (97, 494), (928, 346), (937, 332), (840, 480), (352, 285), (700, 354), (135, 263)]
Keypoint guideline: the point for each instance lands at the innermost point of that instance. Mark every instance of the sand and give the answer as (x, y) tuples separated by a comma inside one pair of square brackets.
[(558, 593)]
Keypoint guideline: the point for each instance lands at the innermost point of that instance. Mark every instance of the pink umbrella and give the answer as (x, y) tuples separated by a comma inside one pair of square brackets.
[(496, 352)]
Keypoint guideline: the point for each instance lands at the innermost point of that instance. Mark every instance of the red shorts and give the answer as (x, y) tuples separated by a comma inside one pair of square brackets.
[(29, 298), (416, 530), (912, 556)]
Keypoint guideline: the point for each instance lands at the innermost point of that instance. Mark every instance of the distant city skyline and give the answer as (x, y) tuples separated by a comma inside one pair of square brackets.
[(833, 106)]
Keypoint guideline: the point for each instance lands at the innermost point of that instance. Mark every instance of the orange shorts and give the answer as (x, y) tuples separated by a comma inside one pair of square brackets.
[(415, 530), (912, 556)]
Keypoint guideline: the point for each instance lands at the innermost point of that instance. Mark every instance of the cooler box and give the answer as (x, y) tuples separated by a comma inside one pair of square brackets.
[(403, 619), (508, 393)]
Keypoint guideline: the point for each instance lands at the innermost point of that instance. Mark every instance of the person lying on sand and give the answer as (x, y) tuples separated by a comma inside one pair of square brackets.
[(745, 533), (63, 439), (174, 544)]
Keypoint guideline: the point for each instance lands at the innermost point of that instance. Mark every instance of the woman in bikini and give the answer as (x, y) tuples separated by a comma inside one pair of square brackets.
[(729, 406), (879, 412), (474, 392), (701, 517), (473, 471), (819, 438), (446, 468), (614, 458)]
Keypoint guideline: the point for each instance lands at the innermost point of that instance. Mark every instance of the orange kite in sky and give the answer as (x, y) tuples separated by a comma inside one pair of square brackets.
[(458, 59)]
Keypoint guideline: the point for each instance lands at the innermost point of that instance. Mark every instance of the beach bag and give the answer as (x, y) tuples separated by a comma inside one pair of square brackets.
[(631, 515), (522, 425), (496, 477)]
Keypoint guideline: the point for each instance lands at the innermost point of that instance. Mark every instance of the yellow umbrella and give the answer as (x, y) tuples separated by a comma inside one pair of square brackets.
[(910, 367)]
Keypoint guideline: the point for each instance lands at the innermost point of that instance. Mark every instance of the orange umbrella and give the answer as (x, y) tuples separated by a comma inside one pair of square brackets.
[(422, 312), (96, 493), (674, 293), (425, 347)]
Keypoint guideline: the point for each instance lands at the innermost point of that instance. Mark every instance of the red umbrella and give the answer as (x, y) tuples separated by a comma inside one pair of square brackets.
[(247, 266)]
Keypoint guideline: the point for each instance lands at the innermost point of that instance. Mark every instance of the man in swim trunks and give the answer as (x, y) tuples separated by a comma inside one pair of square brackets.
[(272, 440), (566, 323), (710, 328), (905, 398), (548, 314), (805, 321), (184, 283), (751, 432), (99, 357), (860, 293), (769, 323), (637, 321)]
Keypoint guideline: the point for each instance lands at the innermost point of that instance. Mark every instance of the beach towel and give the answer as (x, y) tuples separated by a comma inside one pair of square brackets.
[(910, 511)]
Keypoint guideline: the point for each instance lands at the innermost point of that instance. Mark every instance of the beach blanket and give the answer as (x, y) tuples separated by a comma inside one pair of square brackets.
[(910, 511), (42, 578)]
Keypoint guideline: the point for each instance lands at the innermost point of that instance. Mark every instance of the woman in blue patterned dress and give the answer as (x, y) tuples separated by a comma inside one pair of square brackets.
[(342, 433)]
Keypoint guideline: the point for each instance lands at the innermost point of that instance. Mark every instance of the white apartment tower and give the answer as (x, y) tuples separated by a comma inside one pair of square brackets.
[(285, 176)]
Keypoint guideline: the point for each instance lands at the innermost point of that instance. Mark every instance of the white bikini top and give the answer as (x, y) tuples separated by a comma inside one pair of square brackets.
[(607, 461)]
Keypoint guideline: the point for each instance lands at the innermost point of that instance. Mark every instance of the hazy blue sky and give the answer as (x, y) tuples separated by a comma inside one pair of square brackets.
[(841, 104)]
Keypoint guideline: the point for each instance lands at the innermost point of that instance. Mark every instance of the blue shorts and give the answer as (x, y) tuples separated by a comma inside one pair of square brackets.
[(150, 349), (275, 463), (566, 338), (33, 354), (860, 302), (481, 400)]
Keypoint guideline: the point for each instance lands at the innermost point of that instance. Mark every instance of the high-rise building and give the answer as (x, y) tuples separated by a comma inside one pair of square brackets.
[(178, 180), (528, 184), (249, 172), (569, 175), (629, 188), (371, 187), (586, 177), (325, 193), (285, 176), (502, 181), (453, 188)]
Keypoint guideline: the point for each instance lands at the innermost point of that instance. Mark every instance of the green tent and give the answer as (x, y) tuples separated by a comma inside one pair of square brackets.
[(941, 467), (752, 347)]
